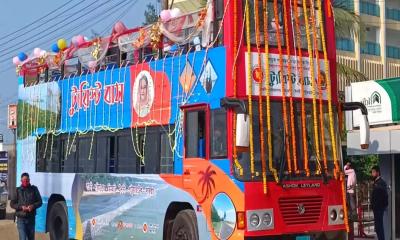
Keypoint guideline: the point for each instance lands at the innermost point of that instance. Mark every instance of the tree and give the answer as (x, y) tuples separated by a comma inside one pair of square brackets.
[(348, 25), (150, 14)]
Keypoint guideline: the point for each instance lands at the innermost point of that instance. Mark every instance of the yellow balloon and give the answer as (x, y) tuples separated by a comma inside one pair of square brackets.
[(62, 43)]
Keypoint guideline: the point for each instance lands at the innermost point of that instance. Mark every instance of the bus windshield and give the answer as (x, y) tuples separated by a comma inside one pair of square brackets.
[(277, 126)]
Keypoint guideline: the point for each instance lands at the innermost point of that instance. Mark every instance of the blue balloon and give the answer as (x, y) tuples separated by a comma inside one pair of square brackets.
[(55, 48), (22, 56)]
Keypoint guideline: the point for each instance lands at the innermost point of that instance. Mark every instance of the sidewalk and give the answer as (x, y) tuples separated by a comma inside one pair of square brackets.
[(8, 229)]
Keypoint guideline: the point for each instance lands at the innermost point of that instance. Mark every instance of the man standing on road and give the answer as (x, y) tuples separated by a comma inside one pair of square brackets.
[(351, 186), (27, 200), (379, 201)]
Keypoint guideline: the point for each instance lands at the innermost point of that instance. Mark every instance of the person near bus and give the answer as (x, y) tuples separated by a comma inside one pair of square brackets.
[(27, 200), (351, 186), (379, 201)]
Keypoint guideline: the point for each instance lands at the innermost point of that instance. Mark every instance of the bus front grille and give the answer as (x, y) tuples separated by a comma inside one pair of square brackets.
[(300, 210)]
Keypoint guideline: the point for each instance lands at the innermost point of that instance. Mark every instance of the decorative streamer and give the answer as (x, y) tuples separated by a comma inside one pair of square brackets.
[(260, 98), (249, 87), (314, 101), (329, 88), (301, 76), (267, 93), (284, 110), (289, 64)]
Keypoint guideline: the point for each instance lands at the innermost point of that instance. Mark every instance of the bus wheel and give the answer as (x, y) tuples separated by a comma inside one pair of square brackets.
[(185, 226), (57, 221)]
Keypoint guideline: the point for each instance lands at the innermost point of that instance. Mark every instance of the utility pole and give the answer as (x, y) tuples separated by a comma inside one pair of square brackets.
[(11, 179)]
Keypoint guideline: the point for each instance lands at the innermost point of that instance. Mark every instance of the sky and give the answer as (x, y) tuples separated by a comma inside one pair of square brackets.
[(65, 19)]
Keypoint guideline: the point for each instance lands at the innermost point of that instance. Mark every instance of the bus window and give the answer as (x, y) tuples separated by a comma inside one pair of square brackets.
[(30, 79), (151, 154), (167, 155), (86, 163), (272, 23), (195, 144), (127, 161), (68, 151), (47, 161), (218, 134), (101, 154)]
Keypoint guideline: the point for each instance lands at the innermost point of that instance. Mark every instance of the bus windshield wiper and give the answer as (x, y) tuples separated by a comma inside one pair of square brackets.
[(323, 173)]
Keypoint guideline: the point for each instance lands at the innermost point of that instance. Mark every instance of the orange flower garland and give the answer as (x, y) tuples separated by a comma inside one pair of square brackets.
[(314, 102), (284, 110), (303, 106), (249, 87), (267, 94), (293, 132), (260, 101)]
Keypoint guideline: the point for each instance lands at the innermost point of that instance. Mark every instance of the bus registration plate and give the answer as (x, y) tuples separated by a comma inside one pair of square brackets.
[(303, 238)]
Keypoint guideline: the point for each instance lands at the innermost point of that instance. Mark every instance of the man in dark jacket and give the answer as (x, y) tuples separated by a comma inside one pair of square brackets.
[(27, 200), (379, 201)]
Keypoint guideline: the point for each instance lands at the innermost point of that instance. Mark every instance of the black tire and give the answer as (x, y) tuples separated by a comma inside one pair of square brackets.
[(185, 226), (57, 221)]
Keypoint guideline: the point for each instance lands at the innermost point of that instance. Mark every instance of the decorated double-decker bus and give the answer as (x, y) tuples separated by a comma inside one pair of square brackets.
[(218, 121)]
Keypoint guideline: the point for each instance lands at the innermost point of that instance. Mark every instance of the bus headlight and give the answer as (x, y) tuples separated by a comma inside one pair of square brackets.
[(341, 214), (254, 220), (267, 219), (333, 215)]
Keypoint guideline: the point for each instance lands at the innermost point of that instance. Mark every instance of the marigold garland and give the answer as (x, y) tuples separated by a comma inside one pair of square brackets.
[(329, 90), (344, 202), (301, 76), (267, 93), (249, 87), (319, 87), (311, 59), (234, 78), (260, 98), (284, 110), (290, 84)]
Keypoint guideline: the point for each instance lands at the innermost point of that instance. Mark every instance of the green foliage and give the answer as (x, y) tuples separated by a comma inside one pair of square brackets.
[(150, 14), (32, 118), (363, 166)]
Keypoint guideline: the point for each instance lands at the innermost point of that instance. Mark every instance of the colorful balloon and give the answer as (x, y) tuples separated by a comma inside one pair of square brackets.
[(80, 39), (42, 53), (119, 27), (22, 56), (55, 48), (62, 44), (175, 12), (165, 15), (16, 60), (36, 52)]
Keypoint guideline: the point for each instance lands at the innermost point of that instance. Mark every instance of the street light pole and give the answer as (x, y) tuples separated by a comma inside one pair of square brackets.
[(11, 179)]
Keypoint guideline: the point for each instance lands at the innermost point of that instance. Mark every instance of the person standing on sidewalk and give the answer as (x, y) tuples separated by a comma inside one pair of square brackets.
[(27, 200), (351, 186), (379, 201)]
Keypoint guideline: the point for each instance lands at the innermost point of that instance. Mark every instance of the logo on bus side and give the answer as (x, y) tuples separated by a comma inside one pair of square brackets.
[(301, 185)]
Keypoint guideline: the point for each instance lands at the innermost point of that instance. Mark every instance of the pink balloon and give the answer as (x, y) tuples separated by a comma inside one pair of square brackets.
[(80, 39), (36, 52), (74, 41), (165, 15), (92, 64), (119, 27), (16, 61), (175, 12)]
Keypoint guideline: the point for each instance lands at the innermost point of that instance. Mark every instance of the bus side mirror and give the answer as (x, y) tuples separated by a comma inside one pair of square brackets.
[(242, 130), (364, 123)]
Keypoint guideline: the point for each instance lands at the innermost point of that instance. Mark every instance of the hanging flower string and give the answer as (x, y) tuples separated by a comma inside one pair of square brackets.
[(249, 87), (310, 57), (301, 82), (290, 84), (281, 76), (236, 47), (260, 97), (337, 169), (267, 93)]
